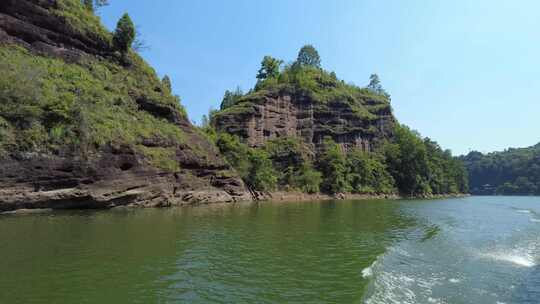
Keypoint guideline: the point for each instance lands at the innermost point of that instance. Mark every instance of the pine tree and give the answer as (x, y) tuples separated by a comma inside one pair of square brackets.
[(124, 34), (166, 81), (376, 87)]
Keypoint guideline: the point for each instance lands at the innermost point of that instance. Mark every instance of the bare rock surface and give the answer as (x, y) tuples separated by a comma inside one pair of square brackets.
[(284, 114)]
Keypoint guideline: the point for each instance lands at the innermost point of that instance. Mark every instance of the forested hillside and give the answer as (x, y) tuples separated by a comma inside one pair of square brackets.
[(511, 172)]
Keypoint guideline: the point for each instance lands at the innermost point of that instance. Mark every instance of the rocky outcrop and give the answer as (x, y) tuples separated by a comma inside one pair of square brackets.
[(36, 24), (117, 176), (116, 173), (282, 113)]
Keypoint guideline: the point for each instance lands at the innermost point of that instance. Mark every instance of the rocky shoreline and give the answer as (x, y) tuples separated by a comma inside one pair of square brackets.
[(271, 197), (304, 197)]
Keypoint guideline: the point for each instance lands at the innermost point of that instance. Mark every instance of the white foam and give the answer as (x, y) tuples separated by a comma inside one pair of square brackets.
[(454, 281), (433, 300), (535, 220), (523, 211), (395, 287), (521, 260), (400, 251), (368, 271)]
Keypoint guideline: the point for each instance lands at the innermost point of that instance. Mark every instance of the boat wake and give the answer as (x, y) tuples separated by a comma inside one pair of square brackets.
[(534, 216), (524, 259), (368, 271), (444, 270), (396, 285)]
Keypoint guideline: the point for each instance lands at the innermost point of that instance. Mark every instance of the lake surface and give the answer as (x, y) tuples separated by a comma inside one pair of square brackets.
[(469, 250)]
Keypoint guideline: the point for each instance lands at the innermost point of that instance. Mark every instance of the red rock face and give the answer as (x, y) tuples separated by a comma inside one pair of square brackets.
[(114, 174), (298, 116), (31, 23)]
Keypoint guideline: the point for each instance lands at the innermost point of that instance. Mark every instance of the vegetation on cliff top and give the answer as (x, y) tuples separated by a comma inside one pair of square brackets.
[(81, 19), (511, 172), (305, 77)]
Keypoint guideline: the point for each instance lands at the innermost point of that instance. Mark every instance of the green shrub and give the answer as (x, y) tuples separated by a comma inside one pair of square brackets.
[(307, 179), (262, 176), (333, 166)]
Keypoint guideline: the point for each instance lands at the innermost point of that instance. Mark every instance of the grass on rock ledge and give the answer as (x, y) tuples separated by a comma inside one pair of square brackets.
[(48, 105)]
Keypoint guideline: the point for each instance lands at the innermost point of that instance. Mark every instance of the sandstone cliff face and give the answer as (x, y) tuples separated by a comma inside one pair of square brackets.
[(38, 24), (114, 173), (281, 114)]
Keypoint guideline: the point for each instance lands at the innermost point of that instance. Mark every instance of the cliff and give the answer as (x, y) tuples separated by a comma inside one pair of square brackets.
[(302, 129), (80, 130), (353, 117)]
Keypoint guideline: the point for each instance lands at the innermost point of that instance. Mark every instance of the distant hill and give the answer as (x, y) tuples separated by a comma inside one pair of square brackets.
[(511, 172)]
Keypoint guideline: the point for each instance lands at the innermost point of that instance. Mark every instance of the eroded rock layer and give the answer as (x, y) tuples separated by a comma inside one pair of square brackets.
[(110, 174), (280, 114)]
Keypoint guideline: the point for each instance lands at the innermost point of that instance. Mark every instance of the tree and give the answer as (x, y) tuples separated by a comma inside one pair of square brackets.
[(101, 3), (89, 5), (207, 127), (407, 161), (231, 98), (368, 173), (375, 86), (166, 81), (269, 68), (124, 34), (262, 176), (309, 56), (374, 83), (307, 179), (235, 152), (333, 166)]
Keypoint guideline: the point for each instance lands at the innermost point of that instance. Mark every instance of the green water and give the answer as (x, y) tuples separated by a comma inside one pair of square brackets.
[(472, 250)]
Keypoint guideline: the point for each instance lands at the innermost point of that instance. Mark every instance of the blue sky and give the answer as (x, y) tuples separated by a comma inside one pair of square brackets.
[(464, 73)]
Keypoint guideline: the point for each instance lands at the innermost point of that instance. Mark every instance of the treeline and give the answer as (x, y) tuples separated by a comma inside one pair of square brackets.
[(306, 77), (511, 172), (407, 164)]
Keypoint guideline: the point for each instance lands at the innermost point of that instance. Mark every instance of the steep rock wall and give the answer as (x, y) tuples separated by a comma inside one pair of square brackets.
[(283, 114), (115, 173)]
